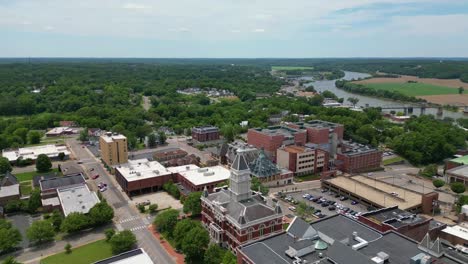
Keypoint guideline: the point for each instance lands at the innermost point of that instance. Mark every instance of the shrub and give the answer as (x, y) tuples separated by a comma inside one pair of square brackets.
[(458, 187), (68, 248), (152, 208), (438, 183)]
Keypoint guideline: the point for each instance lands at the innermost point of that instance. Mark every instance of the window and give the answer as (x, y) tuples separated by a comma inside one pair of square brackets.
[(250, 233), (262, 227), (272, 226)]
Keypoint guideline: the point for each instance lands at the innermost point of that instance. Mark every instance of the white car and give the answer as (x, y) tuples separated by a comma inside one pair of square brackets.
[(292, 208), (306, 195)]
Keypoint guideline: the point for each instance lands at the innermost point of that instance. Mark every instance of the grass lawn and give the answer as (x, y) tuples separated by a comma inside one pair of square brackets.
[(28, 176), (290, 68), (413, 89), (392, 160), (310, 177), (26, 187), (86, 254)]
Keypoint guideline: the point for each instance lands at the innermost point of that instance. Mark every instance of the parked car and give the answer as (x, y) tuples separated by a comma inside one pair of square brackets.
[(103, 189), (354, 202), (325, 204), (337, 195), (311, 198), (343, 198), (324, 190), (332, 208), (95, 176), (92, 169), (306, 195), (144, 203), (292, 208)]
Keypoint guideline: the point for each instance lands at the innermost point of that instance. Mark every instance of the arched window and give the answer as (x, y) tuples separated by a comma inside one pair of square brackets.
[(250, 233), (261, 229), (272, 226)]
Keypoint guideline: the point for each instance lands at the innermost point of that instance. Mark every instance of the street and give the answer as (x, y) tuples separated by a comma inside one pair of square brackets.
[(126, 215)]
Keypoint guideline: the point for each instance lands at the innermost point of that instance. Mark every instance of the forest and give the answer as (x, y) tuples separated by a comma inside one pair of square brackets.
[(108, 95)]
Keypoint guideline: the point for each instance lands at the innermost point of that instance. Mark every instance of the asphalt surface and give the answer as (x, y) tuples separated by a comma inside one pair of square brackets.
[(126, 215)]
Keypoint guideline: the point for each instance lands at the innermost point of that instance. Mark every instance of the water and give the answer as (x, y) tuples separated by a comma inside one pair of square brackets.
[(329, 85)]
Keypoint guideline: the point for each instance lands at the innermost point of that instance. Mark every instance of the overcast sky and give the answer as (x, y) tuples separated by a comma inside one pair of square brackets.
[(234, 28)]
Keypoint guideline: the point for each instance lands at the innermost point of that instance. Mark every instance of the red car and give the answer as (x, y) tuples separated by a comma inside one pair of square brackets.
[(95, 176)]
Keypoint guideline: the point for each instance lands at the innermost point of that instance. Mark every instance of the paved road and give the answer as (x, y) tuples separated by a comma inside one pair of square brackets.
[(126, 215)]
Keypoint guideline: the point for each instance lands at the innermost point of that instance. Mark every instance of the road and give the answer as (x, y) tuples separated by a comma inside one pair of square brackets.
[(126, 215)]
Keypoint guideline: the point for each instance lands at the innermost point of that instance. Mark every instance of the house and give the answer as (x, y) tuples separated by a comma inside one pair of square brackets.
[(9, 188)]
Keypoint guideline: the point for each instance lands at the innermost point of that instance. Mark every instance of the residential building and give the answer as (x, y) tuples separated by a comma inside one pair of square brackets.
[(77, 199), (235, 216), (205, 133), (141, 176), (458, 174), (60, 131), (302, 160), (272, 138), (392, 218), (342, 240), (195, 179), (355, 157), (52, 151), (135, 256), (380, 194), (9, 188), (113, 148), (268, 173)]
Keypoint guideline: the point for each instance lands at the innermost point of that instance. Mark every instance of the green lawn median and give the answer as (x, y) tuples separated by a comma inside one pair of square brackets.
[(86, 254)]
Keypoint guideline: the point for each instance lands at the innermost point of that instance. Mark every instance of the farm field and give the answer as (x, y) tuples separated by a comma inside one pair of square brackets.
[(413, 89), (454, 83), (290, 68), (447, 99)]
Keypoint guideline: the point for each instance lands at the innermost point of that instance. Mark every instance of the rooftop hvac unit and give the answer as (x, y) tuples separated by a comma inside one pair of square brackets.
[(203, 170), (208, 173), (156, 172), (138, 174)]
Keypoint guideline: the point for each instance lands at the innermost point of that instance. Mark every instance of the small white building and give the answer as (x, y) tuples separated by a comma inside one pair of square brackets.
[(77, 199), (52, 151)]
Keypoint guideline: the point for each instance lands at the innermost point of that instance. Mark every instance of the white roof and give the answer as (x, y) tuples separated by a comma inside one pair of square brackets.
[(54, 201), (59, 130), (182, 168), (113, 137), (134, 256), (141, 169), (206, 175), (458, 231), (10, 190), (32, 152), (77, 199)]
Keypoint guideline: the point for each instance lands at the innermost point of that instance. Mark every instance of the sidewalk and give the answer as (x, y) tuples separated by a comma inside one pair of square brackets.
[(180, 259)]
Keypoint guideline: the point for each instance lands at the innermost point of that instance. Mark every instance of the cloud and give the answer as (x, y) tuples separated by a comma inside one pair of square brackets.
[(235, 31), (48, 28), (135, 6), (258, 30)]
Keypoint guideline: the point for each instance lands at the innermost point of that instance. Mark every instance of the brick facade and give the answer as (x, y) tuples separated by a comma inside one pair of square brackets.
[(359, 162), (271, 142), (203, 134)]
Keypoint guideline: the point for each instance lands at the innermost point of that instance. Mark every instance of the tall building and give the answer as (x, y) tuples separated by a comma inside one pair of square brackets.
[(355, 157), (235, 216), (302, 160), (113, 148)]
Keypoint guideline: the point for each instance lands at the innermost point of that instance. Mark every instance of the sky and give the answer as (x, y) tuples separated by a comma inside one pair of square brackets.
[(233, 28)]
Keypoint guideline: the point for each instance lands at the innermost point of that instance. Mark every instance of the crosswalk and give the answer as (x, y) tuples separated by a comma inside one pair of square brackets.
[(129, 219), (137, 228)]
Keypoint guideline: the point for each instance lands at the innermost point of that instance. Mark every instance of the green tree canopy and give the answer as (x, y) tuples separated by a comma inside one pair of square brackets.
[(194, 244), (192, 203), (152, 140), (75, 222), (40, 231), (457, 187), (213, 254), (438, 183), (10, 260), (43, 163), (122, 242), (35, 200), (10, 237), (166, 221), (101, 214), (34, 137), (5, 165)]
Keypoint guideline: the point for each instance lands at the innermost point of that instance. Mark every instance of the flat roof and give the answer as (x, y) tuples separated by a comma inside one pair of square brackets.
[(182, 168), (54, 201), (32, 152), (110, 138), (461, 171), (458, 231), (59, 130), (318, 124), (279, 130), (461, 160), (394, 216), (58, 182), (135, 170), (77, 199), (297, 149), (378, 192), (130, 257), (206, 175)]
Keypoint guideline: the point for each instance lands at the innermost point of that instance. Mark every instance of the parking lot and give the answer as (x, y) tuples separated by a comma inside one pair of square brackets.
[(22, 222), (328, 203), (162, 199)]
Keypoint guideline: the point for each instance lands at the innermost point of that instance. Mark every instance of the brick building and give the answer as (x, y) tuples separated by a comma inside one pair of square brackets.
[(234, 217), (320, 132), (302, 160), (170, 154), (205, 133), (272, 138), (391, 218), (195, 179), (354, 157), (458, 174), (113, 148), (456, 235), (9, 188)]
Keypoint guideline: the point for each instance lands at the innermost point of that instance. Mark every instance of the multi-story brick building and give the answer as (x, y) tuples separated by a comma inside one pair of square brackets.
[(271, 138), (113, 148), (205, 133), (234, 216), (320, 132), (302, 160), (354, 157), (169, 154)]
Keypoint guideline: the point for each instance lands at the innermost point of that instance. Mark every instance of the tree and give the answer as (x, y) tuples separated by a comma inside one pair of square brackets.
[(192, 203), (181, 229), (457, 187), (194, 244), (110, 232), (165, 221), (10, 237), (162, 138), (229, 258), (310, 88), (152, 140), (213, 254), (84, 135), (10, 260), (5, 165), (141, 207), (40, 231), (34, 137), (229, 132), (61, 156), (461, 90), (353, 100), (74, 222), (56, 219), (34, 201), (43, 163), (152, 208), (22, 133), (256, 185), (101, 214), (429, 171), (122, 242), (438, 183), (67, 248)]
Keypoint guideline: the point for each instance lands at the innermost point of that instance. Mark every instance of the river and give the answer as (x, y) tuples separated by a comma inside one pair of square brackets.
[(364, 101)]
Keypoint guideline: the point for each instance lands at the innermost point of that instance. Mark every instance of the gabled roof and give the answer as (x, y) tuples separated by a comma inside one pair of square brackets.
[(240, 163), (300, 229), (263, 167), (8, 179)]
